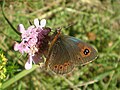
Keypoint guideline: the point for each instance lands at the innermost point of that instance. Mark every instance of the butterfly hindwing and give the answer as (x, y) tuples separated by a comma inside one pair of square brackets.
[(83, 51)]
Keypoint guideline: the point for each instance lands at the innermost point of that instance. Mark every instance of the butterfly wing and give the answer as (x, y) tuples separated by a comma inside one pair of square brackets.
[(67, 52), (82, 52), (60, 60)]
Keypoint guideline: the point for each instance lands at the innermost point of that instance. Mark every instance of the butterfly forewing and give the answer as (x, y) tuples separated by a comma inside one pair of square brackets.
[(60, 60)]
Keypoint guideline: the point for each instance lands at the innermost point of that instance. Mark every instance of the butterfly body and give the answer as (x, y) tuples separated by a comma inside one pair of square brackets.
[(68, 52)]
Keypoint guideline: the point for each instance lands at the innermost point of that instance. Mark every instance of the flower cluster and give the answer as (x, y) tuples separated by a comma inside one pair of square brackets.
[(34, 41), (3, 62)]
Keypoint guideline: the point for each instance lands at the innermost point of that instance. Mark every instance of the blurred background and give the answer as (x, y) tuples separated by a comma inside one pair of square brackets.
[(97, 23)]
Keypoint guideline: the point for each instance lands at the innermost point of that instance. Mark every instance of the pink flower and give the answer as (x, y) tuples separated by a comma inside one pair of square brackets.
[(33, 39), (22, 47)]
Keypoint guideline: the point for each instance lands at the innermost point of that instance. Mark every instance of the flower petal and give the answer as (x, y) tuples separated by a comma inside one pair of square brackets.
[(43, 23), (16, 46), (31, 27), (36, 22), (28, 64), (21, 28)]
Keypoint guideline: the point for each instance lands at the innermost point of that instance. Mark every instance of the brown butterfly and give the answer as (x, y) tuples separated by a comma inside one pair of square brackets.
[(66, 52)]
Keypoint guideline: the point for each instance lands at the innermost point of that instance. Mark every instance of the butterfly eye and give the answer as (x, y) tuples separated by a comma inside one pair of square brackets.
[(61, 66), (86, 51), (56, 67), (65, 64)]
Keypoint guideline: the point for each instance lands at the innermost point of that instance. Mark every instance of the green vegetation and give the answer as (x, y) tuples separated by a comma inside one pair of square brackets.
[(97, 23)]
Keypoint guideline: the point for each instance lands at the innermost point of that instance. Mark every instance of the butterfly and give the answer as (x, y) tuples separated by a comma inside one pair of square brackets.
[(66, 52)]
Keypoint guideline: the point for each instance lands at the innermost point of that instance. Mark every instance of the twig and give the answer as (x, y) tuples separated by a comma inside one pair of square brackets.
[(2, 6), (87, 83), (70, 83), (45, 8), (75, 11), (51, 12)]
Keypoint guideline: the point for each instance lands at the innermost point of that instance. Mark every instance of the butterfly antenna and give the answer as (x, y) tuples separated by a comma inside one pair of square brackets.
[(69, 25)]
